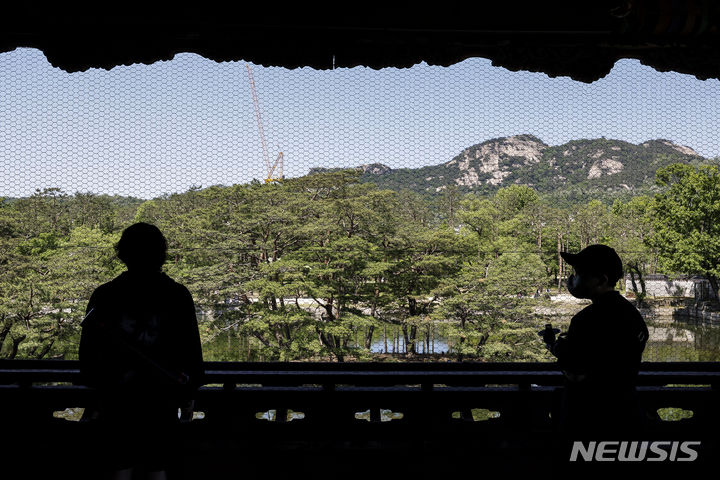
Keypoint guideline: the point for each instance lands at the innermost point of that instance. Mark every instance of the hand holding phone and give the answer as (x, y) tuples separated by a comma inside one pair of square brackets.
[(548, 333)]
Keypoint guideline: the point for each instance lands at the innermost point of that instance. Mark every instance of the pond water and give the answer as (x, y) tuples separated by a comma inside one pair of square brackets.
[(670, 340)]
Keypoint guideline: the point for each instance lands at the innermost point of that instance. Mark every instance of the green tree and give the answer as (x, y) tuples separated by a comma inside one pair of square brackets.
[(514, 199), (483, 316), (44, 211), (422, 257), (632, 236), (591, 222), (687, 225), (94, 211)]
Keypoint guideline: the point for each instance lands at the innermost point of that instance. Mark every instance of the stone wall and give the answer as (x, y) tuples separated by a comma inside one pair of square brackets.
[(662, 286), (562, 307)]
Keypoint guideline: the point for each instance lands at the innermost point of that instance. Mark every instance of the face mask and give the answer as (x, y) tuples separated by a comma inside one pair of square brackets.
[(578, 286)]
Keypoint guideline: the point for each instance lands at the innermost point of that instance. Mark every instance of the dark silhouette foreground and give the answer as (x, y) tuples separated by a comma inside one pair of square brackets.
[(140, 348), (601, 352)]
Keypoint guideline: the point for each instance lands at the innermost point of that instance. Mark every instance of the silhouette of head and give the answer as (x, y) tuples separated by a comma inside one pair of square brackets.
[(142, 247), (597, 269)]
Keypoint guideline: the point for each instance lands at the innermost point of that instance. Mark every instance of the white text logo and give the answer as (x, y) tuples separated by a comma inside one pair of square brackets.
[(627, 451)]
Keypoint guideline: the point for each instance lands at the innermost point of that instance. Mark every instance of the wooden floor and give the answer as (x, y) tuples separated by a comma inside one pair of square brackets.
[(207, 454)]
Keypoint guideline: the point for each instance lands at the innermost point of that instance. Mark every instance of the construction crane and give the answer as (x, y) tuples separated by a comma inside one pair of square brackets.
[(277, 167)]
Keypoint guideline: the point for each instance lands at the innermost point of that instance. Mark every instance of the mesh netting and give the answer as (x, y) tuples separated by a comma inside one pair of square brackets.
[(412, 214)]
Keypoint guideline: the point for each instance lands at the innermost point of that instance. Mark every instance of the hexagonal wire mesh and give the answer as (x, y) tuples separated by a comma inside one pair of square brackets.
[(440, 241)]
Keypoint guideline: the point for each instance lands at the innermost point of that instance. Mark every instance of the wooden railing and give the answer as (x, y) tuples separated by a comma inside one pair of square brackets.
[(413, 406)]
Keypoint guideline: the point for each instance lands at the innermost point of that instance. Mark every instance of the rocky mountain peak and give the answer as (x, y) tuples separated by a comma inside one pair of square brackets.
[(685, 150), (587, 166), (492, 161), (374, 168)]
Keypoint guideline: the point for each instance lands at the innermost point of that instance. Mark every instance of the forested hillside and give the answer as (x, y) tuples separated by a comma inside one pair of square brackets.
[(577, 171), (462, 263)]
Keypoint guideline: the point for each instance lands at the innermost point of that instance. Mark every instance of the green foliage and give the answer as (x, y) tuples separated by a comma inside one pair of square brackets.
[(313, 267), (481, 312), (687, 220), (674, 414)]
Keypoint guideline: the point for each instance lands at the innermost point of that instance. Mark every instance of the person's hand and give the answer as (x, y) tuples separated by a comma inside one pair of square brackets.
[(549, 336), (186, 411), (558, 344)]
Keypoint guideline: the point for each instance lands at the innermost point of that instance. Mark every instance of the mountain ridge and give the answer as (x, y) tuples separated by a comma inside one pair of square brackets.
[(593, 165)]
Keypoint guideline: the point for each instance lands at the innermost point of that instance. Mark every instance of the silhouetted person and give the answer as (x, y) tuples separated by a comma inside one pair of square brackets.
[(140, 348), (601, 352)]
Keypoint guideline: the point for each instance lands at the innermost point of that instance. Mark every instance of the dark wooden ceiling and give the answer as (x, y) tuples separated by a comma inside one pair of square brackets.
[(581, 39)]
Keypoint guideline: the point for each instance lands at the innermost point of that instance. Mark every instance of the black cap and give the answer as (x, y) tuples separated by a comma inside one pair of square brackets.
[(599, 259)]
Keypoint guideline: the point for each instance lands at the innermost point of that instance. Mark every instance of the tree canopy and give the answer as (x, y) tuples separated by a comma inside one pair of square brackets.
[(313, 267)]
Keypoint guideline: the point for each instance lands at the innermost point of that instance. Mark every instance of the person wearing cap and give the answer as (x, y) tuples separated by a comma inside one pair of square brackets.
[(600, 354)]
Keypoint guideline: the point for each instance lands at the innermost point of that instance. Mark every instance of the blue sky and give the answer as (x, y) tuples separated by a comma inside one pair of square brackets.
[(145, 130)]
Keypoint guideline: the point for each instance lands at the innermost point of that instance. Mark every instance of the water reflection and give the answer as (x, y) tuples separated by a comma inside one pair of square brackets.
[(687, 340), (671, 339)]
